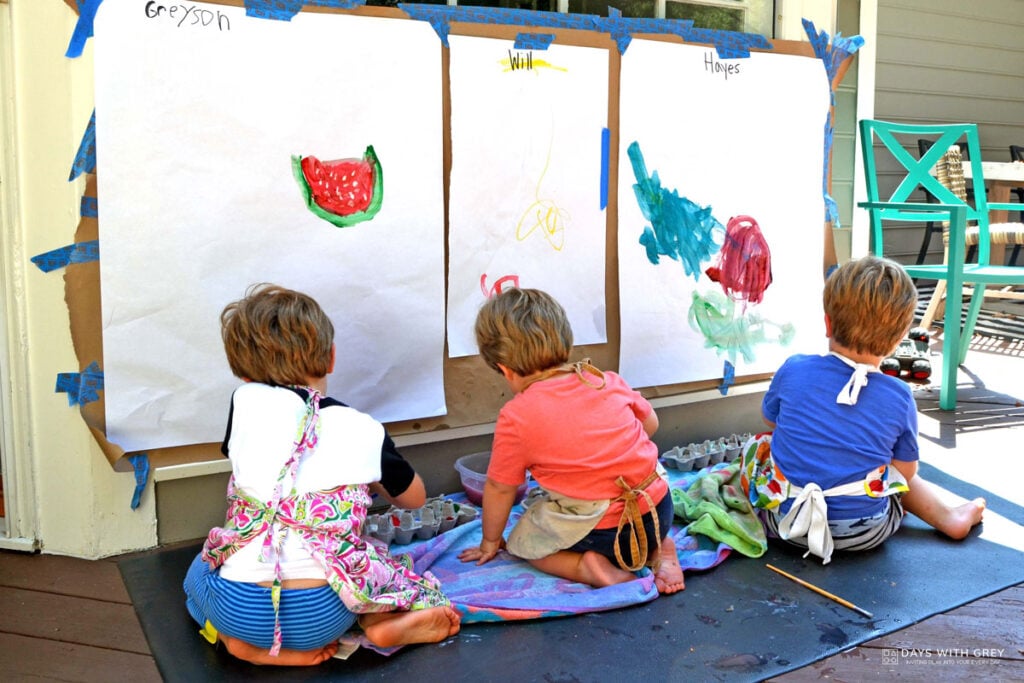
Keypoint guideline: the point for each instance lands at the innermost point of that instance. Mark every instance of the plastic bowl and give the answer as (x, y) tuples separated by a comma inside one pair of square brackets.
[(472, 471)]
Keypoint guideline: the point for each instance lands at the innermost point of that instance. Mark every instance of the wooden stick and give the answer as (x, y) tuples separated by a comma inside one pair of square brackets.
[(819, 591)]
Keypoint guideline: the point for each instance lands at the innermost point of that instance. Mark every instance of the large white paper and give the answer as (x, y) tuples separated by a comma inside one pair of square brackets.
[(744, 137), (525, 199), (198, 114)]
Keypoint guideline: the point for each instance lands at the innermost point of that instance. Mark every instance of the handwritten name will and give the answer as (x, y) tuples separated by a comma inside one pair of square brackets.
[(518, 60)]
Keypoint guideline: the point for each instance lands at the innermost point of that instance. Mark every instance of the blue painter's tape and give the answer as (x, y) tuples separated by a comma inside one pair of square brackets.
[(440, 16), (79, 252), (849, 45), (90, 207), (533, 41), (83, 29), (606, 145), (831, 211), (832, 55), (620, 30), (85, 160), (140, 464), (728, 378), (81, 387), (279, 10), (730, 44), (284, 10), (831, 208), (435, 16)]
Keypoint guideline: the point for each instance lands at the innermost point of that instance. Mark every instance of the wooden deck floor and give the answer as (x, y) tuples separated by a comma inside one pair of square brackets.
[(65, 619)]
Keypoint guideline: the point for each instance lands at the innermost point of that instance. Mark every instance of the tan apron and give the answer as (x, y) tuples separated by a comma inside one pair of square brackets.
[(555, 522)]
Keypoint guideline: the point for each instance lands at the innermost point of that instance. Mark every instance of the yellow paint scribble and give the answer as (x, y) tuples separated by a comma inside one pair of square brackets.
[(544, 215), (535, 64)]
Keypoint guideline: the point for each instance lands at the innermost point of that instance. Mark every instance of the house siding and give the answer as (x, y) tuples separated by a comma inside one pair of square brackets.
[(947, 61)]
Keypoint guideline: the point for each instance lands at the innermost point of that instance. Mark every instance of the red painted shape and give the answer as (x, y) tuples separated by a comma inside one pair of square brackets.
[(499, 286), (744, 263)]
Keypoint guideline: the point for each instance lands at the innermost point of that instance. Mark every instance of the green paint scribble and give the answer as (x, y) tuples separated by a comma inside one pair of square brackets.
[(679, 229), (716, 318)]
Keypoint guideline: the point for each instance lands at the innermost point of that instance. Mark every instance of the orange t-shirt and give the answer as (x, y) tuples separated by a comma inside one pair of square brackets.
[(576, 440)]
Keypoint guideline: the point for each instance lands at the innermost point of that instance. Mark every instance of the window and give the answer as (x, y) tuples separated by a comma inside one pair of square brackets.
[(638, 9), (745, 16)]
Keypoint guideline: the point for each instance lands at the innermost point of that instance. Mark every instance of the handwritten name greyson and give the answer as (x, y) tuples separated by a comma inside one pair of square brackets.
[(712, 65), (188, 15)]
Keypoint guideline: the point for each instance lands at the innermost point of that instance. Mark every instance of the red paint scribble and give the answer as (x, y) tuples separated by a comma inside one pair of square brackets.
[(744, 263), (499, 286)]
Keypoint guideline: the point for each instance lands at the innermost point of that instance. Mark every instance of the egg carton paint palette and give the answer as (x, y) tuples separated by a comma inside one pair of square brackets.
[(697, 456), (402, 526)]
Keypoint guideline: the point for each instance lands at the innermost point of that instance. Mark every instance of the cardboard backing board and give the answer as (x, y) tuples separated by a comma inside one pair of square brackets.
[(473, 392)]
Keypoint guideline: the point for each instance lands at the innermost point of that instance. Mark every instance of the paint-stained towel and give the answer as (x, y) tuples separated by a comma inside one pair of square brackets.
[(716, 507), (509, 589)]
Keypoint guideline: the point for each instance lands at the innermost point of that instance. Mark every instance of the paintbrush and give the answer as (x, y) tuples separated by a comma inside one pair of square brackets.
[(820, 591)]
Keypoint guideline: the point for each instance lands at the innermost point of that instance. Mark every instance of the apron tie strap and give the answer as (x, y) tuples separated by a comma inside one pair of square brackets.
[(632, 517), (858, 380), (580, 368)]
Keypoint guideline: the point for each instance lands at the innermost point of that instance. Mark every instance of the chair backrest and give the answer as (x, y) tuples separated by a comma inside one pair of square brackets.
[(884, 146)]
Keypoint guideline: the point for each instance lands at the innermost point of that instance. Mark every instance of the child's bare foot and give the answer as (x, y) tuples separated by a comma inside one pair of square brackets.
[(961, 519), (668, 575), (598, 571), (391, 629), (591, 568), (256, 655)]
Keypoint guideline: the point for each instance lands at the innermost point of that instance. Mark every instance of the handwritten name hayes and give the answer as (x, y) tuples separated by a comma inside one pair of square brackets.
[(714, 66)]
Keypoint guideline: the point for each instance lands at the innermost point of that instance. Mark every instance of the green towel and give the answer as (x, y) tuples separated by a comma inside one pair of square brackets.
[(715, 506)]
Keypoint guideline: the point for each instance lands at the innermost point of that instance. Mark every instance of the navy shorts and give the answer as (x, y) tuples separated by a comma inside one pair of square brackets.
[(603, 540)]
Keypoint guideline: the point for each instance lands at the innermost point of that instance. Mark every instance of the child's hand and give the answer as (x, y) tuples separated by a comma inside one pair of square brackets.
[(487, 551)]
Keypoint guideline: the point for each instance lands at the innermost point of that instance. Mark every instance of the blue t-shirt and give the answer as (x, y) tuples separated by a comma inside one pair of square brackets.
[(828, 443)]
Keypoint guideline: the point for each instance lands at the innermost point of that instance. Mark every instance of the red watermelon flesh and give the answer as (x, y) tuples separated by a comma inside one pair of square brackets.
[(342, 192), (342, 187)]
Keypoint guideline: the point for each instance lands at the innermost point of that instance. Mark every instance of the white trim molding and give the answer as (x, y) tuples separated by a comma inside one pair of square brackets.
[(20, 524)]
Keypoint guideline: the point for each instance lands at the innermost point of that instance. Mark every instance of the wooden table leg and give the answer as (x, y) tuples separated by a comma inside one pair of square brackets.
[(999, 194)]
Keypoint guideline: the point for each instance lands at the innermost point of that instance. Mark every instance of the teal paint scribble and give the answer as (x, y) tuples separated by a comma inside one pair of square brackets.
[(715, 317), (679, 228)]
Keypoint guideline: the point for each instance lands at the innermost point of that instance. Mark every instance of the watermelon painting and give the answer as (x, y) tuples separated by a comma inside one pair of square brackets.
[(343, 192)]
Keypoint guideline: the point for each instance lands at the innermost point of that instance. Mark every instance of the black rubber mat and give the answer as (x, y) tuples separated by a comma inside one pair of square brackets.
[(736, 622)]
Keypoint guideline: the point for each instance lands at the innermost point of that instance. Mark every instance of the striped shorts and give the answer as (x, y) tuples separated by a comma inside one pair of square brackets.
[(848, 534), (310, 617)]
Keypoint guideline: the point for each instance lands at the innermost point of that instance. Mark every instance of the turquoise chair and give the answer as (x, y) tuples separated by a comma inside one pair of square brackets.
[(886, 150)]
